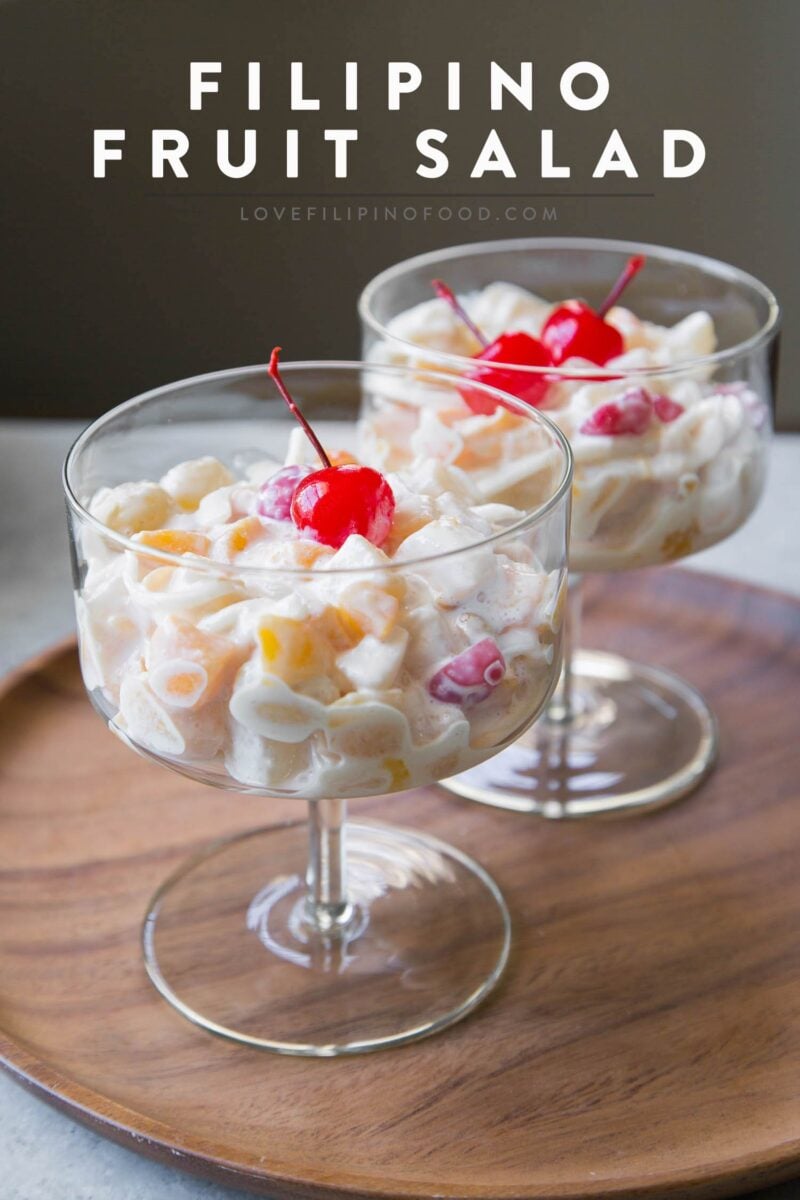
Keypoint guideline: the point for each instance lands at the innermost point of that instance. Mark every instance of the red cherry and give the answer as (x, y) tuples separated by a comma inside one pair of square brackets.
[(631, 414), (667, 410), (471, 676), (331, 504), (509, 348), (575, 330)]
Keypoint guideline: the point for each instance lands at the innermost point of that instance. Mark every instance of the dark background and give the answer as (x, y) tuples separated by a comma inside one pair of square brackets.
[(112, 286)]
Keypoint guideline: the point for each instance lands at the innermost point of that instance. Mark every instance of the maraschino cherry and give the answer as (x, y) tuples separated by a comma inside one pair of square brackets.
[(575, 330), (471, 676), (331, 504), (509, 348)]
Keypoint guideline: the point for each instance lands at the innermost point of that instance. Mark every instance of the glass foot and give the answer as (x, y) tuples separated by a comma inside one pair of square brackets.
[(229, 941), (636, 739)]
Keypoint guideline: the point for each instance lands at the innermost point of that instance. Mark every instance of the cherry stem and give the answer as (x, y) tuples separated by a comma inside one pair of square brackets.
[(633, 268), (274, 371), (445, 293)]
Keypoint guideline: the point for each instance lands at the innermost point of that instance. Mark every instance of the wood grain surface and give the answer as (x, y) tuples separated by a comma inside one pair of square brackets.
[(645, 1041)]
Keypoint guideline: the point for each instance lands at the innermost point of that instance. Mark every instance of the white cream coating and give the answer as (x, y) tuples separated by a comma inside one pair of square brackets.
[(314, 682), (637, 500)]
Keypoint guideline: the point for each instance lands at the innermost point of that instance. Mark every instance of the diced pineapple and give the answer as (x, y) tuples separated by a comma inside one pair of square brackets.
[(374, 663), (358, 552), (365, 608), (306, 553), (174, 541), (338, 629), (236, 538), (157, 580), (131, 507), (292, 650), (188, 482)]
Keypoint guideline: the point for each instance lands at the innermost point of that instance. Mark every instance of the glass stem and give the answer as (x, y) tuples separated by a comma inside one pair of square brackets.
[(561, 708), (327, 906)]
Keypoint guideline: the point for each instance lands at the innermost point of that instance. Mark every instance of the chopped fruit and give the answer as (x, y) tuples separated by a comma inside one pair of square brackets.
[(339, 629), (307, 553), (291, 649), (237, 537), (374, 663), (471, 676), (179, 683), (667, 410), (189, 482), (145, 720), (398, 772), (174, 541), (576, 330), (331, 504), (158, 580), (275, 496), (340, 458), (509, 349), (365, 608), (188, 665), (131, 507), (336, 502), (630, 415)]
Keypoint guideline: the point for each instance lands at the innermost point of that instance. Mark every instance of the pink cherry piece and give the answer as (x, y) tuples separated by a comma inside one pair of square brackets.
[(666, 409), (276, 494), (630, 415), (471, 676)]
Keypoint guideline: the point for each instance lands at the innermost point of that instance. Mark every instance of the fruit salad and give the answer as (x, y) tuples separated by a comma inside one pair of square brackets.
[(665, 463), (318, 629)]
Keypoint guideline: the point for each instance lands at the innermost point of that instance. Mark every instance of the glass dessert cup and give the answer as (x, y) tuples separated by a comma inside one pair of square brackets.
[(327, 937), (617, 737)]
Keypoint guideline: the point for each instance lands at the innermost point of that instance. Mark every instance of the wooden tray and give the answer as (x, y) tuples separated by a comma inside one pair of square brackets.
[(646, 1041)]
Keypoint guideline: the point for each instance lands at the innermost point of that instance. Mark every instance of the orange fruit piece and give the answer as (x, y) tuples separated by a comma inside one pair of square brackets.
[(175, 652)]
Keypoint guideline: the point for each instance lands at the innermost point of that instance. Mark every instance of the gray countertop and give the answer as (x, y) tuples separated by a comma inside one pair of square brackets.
[(44, 1155)]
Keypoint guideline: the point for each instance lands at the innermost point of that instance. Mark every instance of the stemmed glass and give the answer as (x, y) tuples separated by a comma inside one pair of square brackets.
[(617, 736), (333, 937)]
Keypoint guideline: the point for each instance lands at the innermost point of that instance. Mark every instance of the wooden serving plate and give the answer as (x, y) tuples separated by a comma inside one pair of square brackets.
[(645, 1042)]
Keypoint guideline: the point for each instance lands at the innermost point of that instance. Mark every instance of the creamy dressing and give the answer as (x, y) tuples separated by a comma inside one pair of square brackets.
[(282, 665)]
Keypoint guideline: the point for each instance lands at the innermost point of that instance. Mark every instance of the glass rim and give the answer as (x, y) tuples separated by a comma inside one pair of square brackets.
[(230, 570), (589, 373)]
